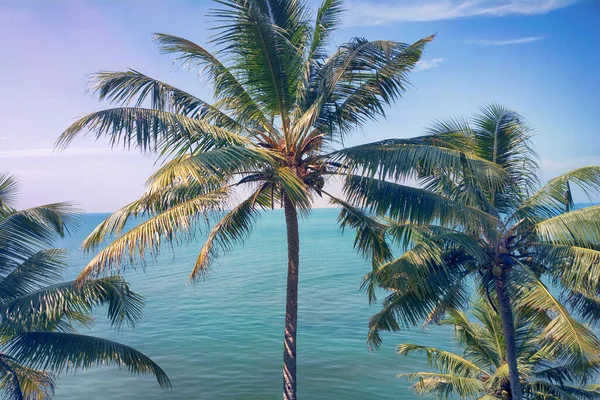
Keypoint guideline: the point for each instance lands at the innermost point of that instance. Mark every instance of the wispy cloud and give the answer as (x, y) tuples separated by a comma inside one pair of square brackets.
[(507, 42), (365, 12), (428, 64), (50, 152), (3, 137)]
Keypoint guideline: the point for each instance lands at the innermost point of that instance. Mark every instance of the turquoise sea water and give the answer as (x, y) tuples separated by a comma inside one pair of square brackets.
[(222, 339)]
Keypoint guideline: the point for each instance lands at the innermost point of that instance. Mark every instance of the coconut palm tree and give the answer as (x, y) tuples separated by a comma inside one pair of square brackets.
[(282, 106), (480, 370), (39, 315), (531, 243)]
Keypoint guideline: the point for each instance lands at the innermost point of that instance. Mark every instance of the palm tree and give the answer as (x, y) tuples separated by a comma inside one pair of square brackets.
[(527, 242), (39, 315), (480, 370), (281, 108)]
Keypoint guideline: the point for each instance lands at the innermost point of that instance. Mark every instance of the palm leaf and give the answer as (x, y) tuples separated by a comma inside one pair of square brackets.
[(556, 197), (46, 307), (359, 97), (445, 361), (564, 335), (20, 382), (133, 86), (370, 240), (232, 229), (419, 206), (263, 50), (8, 190), (444, 385), (216, 165), (227, 89), (24, 232), (57, 352), (399, 159), (165, 226), (579, 228), (42, 268), (150, 130)]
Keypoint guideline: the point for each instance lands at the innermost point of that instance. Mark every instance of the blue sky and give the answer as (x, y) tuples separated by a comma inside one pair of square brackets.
[(539, 57)]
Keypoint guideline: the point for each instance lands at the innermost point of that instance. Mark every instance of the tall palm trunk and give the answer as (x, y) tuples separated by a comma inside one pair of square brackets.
[(508, 328), (291, 304)]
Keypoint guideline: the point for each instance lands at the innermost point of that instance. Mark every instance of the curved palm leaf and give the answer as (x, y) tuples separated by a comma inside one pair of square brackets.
[(227, 89), (580, 228), (556, 197), (232, 229), (445, 361), (165, 226), (564, 335), (42, 268), (57, 352), (406, 203), (45, 307), (147, 129), (127, 87), (397, 158)]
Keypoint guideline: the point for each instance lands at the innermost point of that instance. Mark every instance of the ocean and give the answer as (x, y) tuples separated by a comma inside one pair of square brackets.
[(222, 338)]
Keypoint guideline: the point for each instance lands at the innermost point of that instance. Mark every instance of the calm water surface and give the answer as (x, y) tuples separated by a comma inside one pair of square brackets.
[(222, 339)]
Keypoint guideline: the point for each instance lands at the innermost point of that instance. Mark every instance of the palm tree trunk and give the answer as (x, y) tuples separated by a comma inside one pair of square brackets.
[(291, 304), (508, 328)]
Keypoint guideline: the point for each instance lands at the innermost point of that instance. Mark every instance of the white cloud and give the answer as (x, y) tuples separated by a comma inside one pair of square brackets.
[(428, 64), (506, 42), (3, 137), (364, 12), (50, 152)]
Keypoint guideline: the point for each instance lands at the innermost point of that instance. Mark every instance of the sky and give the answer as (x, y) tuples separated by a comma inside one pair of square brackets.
[(538, 57)]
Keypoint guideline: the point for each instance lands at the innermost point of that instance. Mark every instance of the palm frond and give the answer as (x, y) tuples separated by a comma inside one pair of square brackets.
[(405, 203), (573, 267), (413, 158), (357, 88), (228, 90), (297, 191), (167, 226), (232, 229), (502, 136), (8, 190), (556, 197), (579, 228), (264, 50), (155, 200), (370, 239), (46, 307), (57, 352), (217, 165), (134, 87), (564, 336), (150, 130), (43, 268), (326, 23), (548, 390), (413, 300), (9, 380), (445, 385), (25, 232), (18, 382), (485, 347), (445, 361)]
